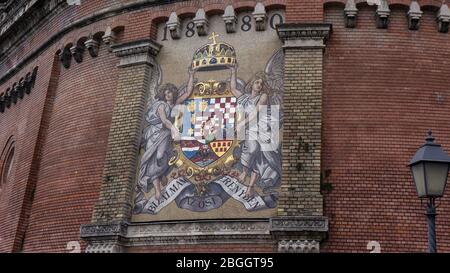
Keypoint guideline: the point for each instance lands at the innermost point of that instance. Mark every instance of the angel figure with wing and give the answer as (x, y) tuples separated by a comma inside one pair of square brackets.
[(262, 165), (159, 136)]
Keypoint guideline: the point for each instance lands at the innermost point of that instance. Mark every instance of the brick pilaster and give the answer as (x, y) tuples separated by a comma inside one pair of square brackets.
[(300, 198), (115, 202)]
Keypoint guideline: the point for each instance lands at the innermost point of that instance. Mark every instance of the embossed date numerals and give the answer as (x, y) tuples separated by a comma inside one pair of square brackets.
[(246, 24)]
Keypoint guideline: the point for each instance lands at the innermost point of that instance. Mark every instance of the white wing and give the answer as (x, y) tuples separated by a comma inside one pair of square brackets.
[(275, 76), (275, 72), (155, 82)]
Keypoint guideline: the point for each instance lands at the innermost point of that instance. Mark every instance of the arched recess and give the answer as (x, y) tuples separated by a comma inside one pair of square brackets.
[(7, 157)]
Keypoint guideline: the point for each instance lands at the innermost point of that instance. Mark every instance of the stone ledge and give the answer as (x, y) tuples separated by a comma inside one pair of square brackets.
[(199, 240), (199, 228), (103, 230), (299, 224), (175, 233), (302, 35), (136, 47), (177, 228)]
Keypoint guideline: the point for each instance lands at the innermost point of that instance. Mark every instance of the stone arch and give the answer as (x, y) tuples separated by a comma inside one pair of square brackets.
[(186, 12), (7, 159), (244, 6), (215, 9), (158, 19), (275, 4)]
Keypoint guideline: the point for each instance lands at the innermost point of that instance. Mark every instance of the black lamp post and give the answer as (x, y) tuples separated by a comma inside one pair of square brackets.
[(429, 167)]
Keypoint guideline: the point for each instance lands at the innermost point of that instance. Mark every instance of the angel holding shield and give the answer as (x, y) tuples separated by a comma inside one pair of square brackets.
[(159, 136), (263, 165)]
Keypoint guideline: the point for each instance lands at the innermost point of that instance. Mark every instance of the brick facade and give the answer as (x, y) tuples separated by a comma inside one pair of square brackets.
[(358, 103), (383, 90)]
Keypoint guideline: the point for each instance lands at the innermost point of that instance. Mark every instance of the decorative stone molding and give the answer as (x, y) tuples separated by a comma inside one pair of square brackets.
[(383, 13), (21, 88), (30, 80), (298, 246), (77, 52), (103, 230), (201, 22), (203, 228), (304, 35), (65, 56), (299, 224), (137, 52), (174, 26), (350, 13), (414, 14), (104, 247), (14, 94), (230, 19), (443, 18), (8, 98), (92, 46), (103, 237), (109, 38), (310, 231), (200, 240), (18, 90), (260, 16)]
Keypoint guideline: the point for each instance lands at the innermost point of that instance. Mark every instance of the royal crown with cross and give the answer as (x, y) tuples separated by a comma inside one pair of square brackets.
[(214, 56)]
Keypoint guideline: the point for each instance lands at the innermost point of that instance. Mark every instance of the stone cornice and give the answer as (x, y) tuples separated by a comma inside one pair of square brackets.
[(290, 234), (310, 228), (176, 228), (136, 47), (304, 35), (136, 52), (180, 232)]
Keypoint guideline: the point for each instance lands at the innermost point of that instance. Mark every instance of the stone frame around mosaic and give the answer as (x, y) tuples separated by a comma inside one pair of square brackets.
[(297, 228), (120, 236)]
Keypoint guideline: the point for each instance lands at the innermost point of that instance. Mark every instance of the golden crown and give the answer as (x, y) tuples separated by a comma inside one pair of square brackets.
[(214, 56)]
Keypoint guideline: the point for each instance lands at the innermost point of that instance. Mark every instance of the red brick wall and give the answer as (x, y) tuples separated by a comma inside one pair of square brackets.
[(73, 153), (65, 161), (304, 11), (22, 122), (383, 90)]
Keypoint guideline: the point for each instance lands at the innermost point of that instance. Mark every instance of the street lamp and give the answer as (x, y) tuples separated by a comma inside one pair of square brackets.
[(429, 167)]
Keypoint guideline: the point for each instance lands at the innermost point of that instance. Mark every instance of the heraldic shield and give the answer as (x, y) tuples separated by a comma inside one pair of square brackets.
[(208, 126)]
